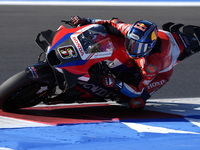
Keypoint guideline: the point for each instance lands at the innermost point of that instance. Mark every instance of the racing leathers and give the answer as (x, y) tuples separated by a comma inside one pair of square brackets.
[(139, 78)]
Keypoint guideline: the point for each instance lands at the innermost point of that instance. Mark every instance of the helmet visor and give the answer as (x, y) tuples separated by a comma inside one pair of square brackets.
[(136, 49)]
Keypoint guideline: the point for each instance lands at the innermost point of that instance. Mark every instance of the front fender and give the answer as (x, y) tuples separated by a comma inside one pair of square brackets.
[(41, 72)]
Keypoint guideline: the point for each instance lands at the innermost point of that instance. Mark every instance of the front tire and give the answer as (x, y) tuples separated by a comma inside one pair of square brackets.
[(19, 91)]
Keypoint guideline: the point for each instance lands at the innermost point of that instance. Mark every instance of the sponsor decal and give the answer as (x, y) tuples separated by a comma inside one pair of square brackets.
[(90, 56), (78, 45), (140, 26), (95, 89), (156, 84), (67, 52), (103, 54), (153, 36), (33, 72), (134, 36), (151, 68)]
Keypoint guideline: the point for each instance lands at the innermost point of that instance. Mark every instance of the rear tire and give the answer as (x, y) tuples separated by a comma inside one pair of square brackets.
[(19, 91)]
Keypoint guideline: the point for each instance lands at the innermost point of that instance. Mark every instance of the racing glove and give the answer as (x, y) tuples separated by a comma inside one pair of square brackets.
[(111, 82), (78, 21)]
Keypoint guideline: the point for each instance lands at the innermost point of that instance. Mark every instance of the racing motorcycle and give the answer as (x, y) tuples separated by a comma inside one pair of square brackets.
[(71, 65)]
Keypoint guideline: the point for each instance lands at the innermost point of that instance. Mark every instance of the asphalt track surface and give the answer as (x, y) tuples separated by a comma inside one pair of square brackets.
[(167, 124)]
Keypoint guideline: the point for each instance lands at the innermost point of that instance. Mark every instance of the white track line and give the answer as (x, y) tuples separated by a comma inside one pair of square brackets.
[(188, 107), (6, 122), (153, 129), (4, 148)]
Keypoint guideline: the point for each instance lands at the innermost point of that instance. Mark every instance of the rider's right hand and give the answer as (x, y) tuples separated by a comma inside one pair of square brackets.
[(76, 20)]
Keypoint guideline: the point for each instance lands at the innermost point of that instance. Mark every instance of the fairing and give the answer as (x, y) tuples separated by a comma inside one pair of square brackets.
[(73, 51)]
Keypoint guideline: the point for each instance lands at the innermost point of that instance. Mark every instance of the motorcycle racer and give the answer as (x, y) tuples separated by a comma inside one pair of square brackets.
[(152, 55)]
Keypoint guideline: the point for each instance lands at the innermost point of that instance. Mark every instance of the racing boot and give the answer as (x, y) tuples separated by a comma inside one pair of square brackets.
[(191, 39), (188, 51), (136, 104)]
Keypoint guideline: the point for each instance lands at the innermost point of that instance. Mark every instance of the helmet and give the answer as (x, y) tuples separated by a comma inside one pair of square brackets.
[(141, 38)]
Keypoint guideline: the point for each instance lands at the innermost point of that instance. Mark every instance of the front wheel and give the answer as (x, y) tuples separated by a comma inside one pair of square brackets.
[(19, 91)]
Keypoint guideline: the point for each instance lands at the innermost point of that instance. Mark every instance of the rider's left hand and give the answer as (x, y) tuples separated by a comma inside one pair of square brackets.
[(110, 81)]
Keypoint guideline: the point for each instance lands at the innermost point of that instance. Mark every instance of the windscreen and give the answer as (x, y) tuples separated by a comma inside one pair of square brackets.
[(95, 40)]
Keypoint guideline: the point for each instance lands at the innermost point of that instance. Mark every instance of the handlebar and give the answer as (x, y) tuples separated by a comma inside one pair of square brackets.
[(67, 22)]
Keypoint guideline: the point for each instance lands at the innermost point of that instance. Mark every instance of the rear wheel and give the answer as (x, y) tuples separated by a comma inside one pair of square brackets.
[(19, 91)]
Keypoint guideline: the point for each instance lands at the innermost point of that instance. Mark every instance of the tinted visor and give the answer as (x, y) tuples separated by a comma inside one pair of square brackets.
[(136, 49)]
